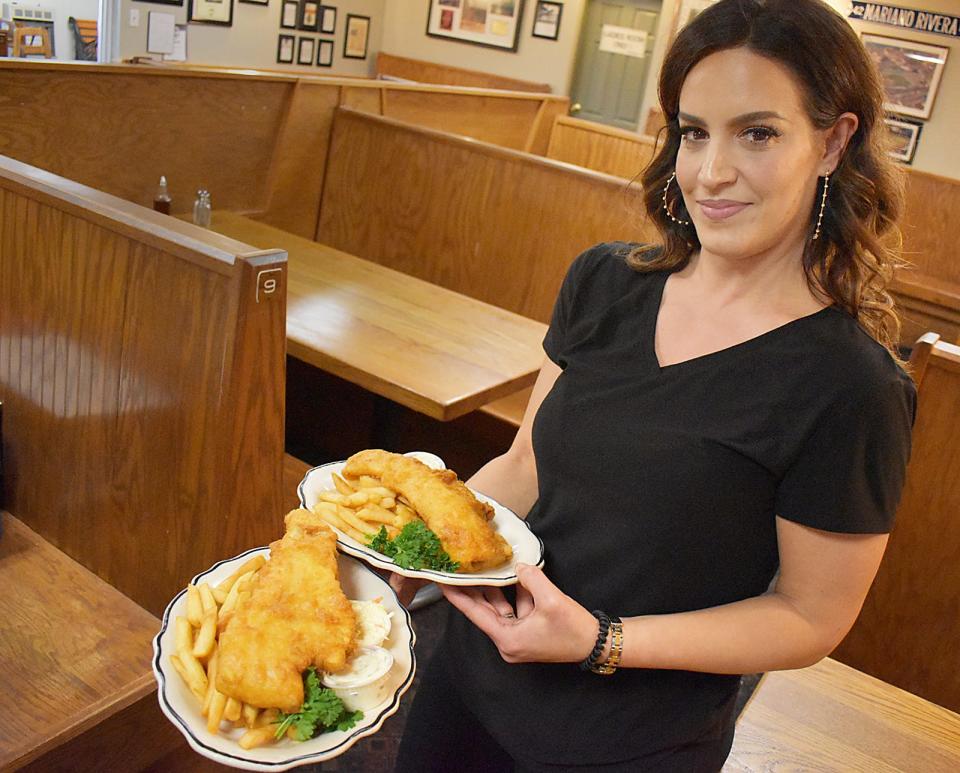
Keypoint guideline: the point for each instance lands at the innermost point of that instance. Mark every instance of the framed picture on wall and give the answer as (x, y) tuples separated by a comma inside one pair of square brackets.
[(309, 17), (285, 49), (256, 2), (492, 23), (358, 33), (910, 72), (324, 53), (546, 21), (305, 49), (328, 19), (904, 137), (289, 12), (210, 12)]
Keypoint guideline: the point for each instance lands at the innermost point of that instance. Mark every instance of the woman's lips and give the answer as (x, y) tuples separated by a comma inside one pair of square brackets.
[(721, 211)]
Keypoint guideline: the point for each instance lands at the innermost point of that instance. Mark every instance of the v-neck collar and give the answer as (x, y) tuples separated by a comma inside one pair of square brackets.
[(719, 354)]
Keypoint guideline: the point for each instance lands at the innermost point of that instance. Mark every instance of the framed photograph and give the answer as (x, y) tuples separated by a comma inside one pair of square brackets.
[(328, 19), (355, 41), (492, 23), (324, 53), (904, 137), (309, 17), (210, 12), (305, 49), (910, 72), (285, 49), (546, 21), (289, 13)]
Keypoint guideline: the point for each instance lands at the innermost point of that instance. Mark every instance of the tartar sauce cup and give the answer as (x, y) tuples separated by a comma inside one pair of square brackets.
[(365, 684)]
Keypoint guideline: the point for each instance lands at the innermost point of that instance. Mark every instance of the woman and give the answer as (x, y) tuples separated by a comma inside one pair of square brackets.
[(710, 410)]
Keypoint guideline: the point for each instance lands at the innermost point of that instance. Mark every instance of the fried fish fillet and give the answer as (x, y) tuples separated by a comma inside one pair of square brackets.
[(296, 616), (447, 506)]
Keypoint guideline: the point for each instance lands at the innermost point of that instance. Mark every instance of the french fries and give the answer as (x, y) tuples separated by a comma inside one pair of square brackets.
[(196, 638), (359, 507)]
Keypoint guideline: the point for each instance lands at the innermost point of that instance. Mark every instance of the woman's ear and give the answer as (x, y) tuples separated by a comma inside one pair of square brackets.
[(835, 141)]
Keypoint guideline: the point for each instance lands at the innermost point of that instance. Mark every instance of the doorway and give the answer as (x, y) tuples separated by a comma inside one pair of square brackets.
[(613, 60)]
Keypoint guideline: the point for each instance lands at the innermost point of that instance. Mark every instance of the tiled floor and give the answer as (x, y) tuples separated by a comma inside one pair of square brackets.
[(376, 753)]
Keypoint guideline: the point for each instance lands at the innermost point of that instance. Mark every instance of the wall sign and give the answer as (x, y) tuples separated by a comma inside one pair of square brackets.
[(907, 18), (623, 40)]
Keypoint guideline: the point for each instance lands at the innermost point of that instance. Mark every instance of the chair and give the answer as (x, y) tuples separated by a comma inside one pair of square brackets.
[(25, 42), (84, 39)]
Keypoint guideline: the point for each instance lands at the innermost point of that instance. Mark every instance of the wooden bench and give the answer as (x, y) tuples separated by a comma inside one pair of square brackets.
[(422, 346), (909, 629), (830, 717), (595, 146), (431, 72), (141, 372)]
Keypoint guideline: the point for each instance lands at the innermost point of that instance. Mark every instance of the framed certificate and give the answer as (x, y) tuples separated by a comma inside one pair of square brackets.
[(289, 13), (210, 12), (324, 53), (358, 32)]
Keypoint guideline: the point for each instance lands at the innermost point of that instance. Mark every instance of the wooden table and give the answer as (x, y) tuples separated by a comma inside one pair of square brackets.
[(830, 717), (74, 651), (423, 346)]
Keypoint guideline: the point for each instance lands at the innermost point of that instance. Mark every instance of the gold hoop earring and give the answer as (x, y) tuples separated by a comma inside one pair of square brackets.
[(823, 203), (666, 208)]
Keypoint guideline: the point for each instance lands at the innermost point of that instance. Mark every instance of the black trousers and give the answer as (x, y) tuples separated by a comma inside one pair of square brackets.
[(442, 735)]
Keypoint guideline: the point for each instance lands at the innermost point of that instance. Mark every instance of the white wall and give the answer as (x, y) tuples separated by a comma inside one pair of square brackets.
[(536, 59), (252, 40)]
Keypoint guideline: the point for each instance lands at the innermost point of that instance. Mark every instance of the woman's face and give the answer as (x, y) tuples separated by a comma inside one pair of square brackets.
[(749, 157)]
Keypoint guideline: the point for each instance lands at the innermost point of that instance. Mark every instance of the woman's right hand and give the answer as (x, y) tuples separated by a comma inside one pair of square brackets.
[(406, 587)]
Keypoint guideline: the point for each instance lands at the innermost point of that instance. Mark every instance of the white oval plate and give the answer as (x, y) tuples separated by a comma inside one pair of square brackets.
[(183, 709), (527, 546)]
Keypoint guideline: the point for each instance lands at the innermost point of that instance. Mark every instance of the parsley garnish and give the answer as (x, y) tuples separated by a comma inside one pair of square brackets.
[(322, 711), (415, 547)]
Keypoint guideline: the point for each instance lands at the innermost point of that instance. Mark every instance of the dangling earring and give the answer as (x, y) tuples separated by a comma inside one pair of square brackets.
[(823, 203), (666, 208)]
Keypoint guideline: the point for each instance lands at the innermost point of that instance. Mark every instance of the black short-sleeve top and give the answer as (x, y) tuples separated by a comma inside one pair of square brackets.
[(659, 489)]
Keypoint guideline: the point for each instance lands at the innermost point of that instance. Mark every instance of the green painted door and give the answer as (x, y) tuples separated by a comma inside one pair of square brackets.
[(613, 62)]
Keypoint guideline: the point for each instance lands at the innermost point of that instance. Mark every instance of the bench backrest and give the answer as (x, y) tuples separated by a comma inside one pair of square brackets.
[(908, 631), (431, 72), (257, 140), (142, 376), (595, 146), (492, 223)]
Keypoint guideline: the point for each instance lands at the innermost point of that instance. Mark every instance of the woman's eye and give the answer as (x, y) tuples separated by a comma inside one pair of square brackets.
[(688, 133), (761, 134)]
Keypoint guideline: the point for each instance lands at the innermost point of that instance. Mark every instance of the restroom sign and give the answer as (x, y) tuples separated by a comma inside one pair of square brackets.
[(623, 40)]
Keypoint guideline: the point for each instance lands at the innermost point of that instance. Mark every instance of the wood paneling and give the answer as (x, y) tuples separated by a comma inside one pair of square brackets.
[(142, 390), (430, 72), (604, 148), (498, 225), (908, 630), (931, 228), (75, 650), (832, 719)]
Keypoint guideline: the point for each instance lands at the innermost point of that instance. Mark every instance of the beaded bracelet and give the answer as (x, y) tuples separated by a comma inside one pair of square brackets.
[(616, 650), (588, 663)]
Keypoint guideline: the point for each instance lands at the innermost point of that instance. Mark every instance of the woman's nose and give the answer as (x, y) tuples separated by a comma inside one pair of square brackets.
[(717, 167)]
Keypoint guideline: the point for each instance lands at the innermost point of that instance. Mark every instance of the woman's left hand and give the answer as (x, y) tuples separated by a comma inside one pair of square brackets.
[(547, 626)]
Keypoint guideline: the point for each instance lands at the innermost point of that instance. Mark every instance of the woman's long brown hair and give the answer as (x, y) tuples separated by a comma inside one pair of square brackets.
[(859, 246)]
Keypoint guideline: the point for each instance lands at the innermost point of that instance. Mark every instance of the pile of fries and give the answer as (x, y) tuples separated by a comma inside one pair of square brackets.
[(197, 637), (359, 508)]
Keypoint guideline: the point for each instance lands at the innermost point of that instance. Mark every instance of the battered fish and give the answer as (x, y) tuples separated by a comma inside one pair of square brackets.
[(447, 506), (296, 616)]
